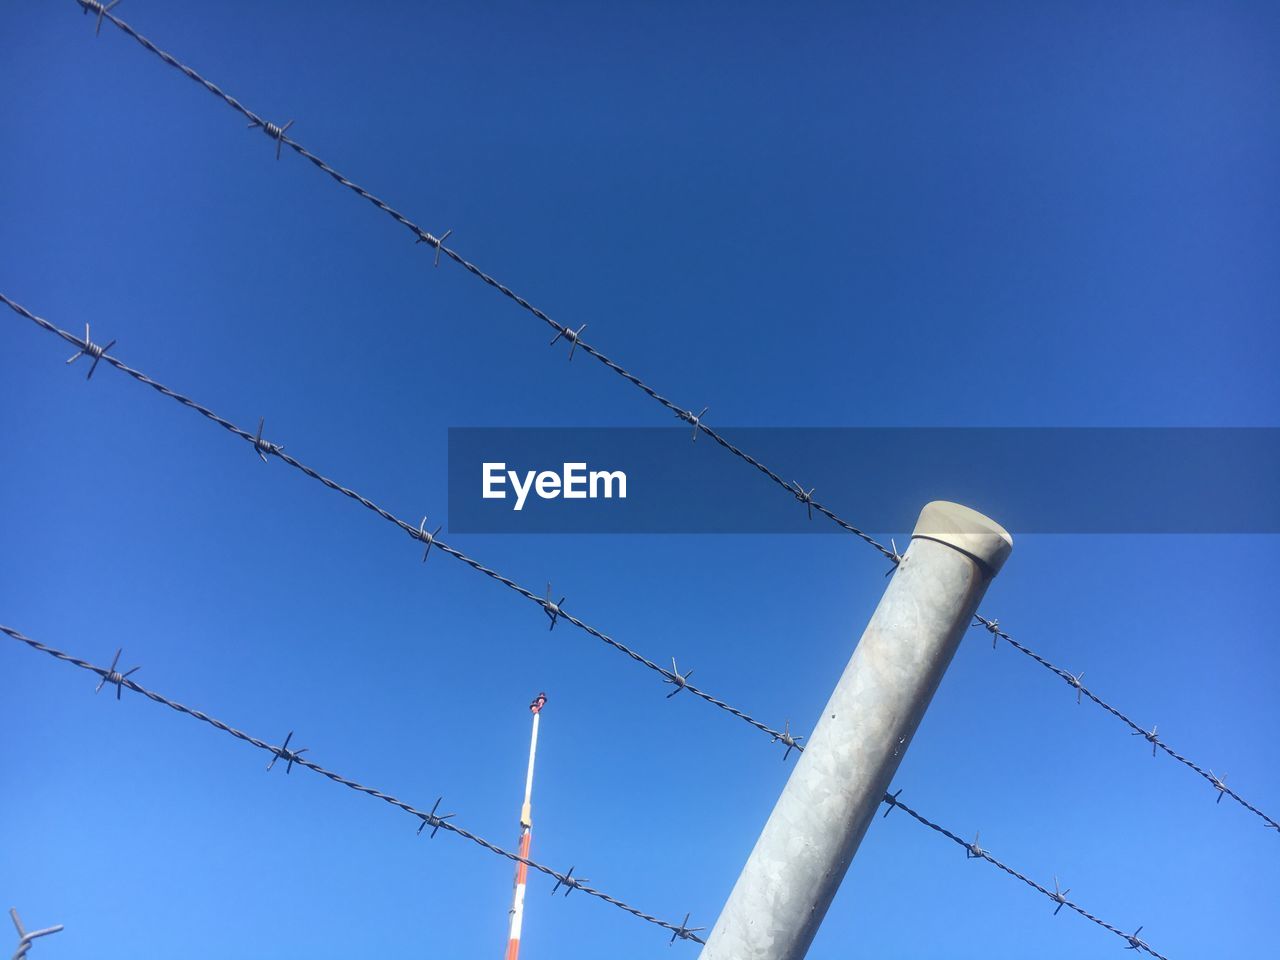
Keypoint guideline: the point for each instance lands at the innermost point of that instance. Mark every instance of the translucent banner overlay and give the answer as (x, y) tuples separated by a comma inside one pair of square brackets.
[(1031, 480)]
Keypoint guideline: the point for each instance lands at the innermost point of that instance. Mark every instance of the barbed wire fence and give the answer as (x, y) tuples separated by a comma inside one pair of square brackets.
[(554, 610), (573, 337), (436, 821), (429, 819)]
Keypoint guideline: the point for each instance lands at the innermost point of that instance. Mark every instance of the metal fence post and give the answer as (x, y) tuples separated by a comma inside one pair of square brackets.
[(839, 781)]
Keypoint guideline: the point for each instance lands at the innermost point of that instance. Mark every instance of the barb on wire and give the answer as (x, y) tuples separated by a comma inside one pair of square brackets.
[(265, 448), (272, 131), (437, 242), (283, 752), (113, 677), (791, 743), (424, 236), (686, 932), (1074, 679), (992, 625), (696, 419), (1059, 895), (1220, 784), (890, 801), (572, 883), (438, 821), (973, 851), (25, 937), (100, 9), (554, 611), (804, 496), (681, 682), (1152, 736), (435, 820), (427, 538), (570, 335), (91, 350), (895, 558)]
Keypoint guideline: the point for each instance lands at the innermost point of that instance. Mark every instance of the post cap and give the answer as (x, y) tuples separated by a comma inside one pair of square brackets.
[(966, 530)]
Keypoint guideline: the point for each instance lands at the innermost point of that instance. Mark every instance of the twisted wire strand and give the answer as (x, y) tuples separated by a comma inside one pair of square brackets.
[(974, 851), (425, 236), (428, 817), (265, 448), (1073, 680)]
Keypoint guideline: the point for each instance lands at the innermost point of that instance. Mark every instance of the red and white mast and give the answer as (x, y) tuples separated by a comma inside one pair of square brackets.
[(526, 836)]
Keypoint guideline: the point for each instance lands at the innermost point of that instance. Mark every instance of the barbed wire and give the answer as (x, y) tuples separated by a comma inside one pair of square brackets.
[(572, 337), (436, 821), (554, 610), (1151, 736), (432, 818), (975, 852)]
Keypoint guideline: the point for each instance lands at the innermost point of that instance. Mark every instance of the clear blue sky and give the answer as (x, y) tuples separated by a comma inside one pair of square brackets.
[(1056, 214)]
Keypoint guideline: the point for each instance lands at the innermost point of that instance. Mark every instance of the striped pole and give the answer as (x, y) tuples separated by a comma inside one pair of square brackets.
[(526, 837)]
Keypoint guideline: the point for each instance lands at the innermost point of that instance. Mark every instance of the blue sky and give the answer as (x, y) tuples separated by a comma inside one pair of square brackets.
[(839, 216)]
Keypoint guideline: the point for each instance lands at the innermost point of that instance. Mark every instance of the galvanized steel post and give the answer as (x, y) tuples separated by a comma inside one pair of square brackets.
[(837, 785)]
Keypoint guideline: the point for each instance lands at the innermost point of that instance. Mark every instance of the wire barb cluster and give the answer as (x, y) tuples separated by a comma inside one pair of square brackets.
[(427, 538), (686, 932), (435, 820), (803, 495), (283, 752), (570, 335), (25, 937), (91, 350), (274, 132), (93, 6), (572, 883), (973, 851), (678, 680), (787, 740), (430, 818), (1152, 736), (265, 448), (554, 609), (113, 677)]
